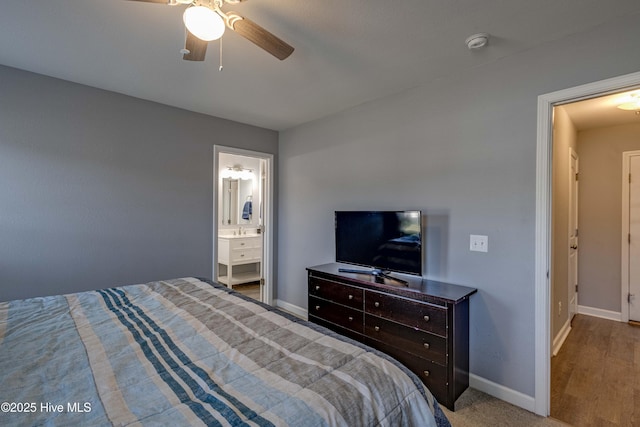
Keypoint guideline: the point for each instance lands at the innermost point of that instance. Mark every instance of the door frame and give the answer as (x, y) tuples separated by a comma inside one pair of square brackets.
[(542, 266), (624, 285), (268, 221)]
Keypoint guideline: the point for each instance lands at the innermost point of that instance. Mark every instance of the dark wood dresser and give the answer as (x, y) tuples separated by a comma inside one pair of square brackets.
[(424, 324)]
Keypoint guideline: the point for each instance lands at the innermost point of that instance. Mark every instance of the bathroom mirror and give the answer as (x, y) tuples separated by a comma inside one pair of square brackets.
[(237, 201)]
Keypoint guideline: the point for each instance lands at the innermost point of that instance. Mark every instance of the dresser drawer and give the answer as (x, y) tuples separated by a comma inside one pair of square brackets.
[(338, 314), (422, 344), (246, 243), (432, 374), (339, 329), (336, 292), (420, 315), (239, 256)]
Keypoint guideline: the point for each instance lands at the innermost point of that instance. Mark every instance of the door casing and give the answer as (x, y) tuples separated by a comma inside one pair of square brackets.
[(542, 265), (627, 274), (268, 219), (573, 234)]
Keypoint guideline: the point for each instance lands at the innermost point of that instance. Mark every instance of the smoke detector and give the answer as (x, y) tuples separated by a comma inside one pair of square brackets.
[(477, 41)]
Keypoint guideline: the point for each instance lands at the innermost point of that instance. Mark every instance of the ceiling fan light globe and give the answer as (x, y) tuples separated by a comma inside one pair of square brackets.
[(204, 23), (630, 101), (630, 106)]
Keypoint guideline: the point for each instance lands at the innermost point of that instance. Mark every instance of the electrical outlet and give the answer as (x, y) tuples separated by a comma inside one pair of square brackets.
[(478, 243)]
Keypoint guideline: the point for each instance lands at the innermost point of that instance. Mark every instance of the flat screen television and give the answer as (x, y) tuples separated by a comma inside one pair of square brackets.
[(383, 241)]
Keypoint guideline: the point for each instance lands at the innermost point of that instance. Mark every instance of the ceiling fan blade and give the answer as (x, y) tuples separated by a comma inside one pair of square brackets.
[(197, 48), (259, 36)]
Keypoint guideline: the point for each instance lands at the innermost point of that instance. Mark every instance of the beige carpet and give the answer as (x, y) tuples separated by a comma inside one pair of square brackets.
[(475, 408)]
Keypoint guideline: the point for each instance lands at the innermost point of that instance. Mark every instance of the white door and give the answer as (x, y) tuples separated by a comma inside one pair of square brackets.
[(259, 210), (573, 233), (634, 238)]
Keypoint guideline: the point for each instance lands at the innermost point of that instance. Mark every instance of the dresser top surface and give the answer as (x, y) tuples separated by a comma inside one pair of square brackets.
[(415, 285)]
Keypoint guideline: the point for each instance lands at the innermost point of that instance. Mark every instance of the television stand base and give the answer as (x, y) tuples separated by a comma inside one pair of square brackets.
[(377, 273)]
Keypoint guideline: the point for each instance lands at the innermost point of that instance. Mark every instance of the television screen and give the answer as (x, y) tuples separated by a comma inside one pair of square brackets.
[(383, 240)]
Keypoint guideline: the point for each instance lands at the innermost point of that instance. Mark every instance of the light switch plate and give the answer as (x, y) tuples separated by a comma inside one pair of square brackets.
[(478, 243)]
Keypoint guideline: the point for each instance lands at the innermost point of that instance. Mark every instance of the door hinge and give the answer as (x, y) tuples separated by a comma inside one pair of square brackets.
[(577, 176), (629, 178), (629, 296), (576, 288), (629, 238), (262, 281), (576, 232)]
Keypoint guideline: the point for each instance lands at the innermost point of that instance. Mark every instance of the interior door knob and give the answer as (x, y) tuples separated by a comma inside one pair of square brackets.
[(574, 246)]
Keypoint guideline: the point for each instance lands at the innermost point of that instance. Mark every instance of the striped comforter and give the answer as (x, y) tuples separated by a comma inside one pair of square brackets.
[(185, 352)]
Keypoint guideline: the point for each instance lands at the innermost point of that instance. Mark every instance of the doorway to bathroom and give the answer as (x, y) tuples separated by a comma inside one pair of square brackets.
[(242, 221)]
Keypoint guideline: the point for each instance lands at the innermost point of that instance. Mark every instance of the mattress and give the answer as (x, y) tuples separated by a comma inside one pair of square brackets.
[(188, 352)]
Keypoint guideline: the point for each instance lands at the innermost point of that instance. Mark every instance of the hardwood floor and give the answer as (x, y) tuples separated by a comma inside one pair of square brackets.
[(595, 378), (252, 290)]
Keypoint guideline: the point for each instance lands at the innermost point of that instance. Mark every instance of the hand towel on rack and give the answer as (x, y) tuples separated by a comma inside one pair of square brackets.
[(247, 210)]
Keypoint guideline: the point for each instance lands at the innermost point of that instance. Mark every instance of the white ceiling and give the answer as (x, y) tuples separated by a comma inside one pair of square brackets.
[(602, 111), (347, 52)]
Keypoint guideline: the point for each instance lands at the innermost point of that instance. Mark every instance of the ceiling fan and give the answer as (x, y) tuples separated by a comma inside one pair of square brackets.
[(205, 21)]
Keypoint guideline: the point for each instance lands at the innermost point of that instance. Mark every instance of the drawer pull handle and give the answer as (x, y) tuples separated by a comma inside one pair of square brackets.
[(426, 373), (376, 304), (242, 244), (317, 307), (350, 296), (377, 328), (317, 287), (426, 345), (350, 319), (241, 255), (426, 318)]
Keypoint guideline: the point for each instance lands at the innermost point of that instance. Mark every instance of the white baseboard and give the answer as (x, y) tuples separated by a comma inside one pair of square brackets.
[(501, 392), (482, 384), (293, 309), (520, 399), (598, 312), (562, 335), (588, 311)]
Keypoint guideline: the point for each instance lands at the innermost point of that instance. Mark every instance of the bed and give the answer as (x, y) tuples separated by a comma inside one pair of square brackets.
[(192, 352)]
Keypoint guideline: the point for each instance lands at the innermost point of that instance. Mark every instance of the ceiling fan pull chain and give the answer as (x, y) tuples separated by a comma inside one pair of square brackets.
[(220, 68)]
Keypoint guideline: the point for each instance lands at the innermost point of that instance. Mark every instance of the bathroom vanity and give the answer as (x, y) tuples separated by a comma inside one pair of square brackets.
[(241, 254)]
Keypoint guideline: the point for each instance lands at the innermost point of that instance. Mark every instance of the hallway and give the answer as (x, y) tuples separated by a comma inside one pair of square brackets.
[(595, 378)]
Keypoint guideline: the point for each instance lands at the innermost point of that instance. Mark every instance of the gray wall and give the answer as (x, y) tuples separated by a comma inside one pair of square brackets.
[(100, 189), (600, 213), (462, 149)]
